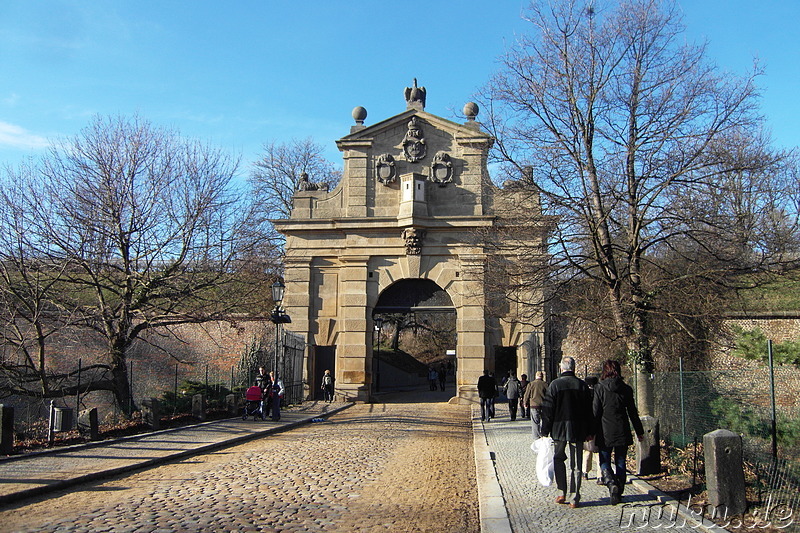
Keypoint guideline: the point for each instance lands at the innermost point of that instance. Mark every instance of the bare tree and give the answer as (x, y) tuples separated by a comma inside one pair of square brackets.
[(128, 227), (276, 175), (620, 120)]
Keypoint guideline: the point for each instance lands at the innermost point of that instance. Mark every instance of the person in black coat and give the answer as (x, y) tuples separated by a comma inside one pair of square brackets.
[(613, 408), (567, 418), (487, 390)]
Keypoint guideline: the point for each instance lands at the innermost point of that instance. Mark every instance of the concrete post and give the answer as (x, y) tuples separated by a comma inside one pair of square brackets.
[(724, 472), (648, 451), (151, 413), (199, 406), (88, 425), (6, 429), (231, 405)]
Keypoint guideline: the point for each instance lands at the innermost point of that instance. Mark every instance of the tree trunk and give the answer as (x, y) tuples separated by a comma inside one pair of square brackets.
[(122, 386)]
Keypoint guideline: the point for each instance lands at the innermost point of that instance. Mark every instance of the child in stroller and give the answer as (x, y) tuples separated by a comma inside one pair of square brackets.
[(252, 406)]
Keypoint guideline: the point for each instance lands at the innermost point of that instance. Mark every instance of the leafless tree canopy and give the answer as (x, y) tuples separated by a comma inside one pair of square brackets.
[(124, 228), (276, 175), (652, 159)]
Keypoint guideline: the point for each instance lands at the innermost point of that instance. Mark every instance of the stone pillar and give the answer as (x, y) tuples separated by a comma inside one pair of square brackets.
[(6, 429), (88, 425), (648, 451), (199, 406), (471, 351), (231, 405), (724, 472), (354, 349), (151, 413)]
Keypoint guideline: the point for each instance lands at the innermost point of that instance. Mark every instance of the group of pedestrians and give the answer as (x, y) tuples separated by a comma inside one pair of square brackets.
[(272, 393), (574, 416), (582, 418), (438, 377)]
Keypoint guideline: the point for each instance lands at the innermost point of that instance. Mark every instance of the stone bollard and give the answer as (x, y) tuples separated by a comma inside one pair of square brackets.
[(199, 406), (648, 451), (6, 429), (722, 450), (151, 413), (88, 425), (231, 405)]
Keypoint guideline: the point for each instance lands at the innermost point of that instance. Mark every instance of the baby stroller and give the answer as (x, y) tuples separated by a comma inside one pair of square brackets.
[(252, 405)]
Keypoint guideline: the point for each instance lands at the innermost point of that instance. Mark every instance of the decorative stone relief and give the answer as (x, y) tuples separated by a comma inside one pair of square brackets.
[(386, 169), (306, 185), (414, 142), (442, 169), (413, 238)]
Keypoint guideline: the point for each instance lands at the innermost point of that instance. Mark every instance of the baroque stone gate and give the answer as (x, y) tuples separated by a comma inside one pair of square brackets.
[(414, 197)]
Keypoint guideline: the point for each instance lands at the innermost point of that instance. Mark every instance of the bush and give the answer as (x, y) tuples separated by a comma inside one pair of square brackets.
[(182, 403)]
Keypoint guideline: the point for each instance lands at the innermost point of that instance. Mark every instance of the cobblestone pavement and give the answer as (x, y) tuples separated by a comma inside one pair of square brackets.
[(532, 508), (390, 466)]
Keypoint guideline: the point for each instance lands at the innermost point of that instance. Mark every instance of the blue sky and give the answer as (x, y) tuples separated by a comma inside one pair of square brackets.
[(240, 73)]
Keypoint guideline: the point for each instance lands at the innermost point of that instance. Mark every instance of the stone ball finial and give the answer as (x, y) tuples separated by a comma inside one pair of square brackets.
[(359, 115), (471, 110)]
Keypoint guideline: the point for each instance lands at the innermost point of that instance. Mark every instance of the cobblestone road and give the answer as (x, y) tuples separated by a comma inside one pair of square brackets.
[(381, 467)]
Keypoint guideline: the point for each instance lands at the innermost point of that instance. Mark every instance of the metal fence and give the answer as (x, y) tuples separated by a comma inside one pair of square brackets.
[(176, 382), (690, 404), (760, 404)]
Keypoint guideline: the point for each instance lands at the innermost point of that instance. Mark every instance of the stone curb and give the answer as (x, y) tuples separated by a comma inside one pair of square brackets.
[(491, 503), (147, 463)]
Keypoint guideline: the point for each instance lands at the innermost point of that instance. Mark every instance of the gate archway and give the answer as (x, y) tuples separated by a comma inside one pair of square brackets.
[(415, 194)]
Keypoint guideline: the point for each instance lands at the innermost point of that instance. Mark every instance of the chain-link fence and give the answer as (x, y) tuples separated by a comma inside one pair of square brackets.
[(759, 403), (690, 404)]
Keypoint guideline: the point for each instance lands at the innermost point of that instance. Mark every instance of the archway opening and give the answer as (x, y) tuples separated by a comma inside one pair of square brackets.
[(417, 336)]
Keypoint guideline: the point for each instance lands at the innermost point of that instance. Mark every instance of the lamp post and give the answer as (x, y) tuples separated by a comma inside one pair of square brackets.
[(378, 326), (278, 317)]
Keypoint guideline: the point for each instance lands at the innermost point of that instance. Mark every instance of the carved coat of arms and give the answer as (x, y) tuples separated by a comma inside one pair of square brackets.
[(414, 143)]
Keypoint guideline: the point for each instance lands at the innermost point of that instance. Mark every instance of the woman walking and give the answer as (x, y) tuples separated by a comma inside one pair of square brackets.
[(613, 407)]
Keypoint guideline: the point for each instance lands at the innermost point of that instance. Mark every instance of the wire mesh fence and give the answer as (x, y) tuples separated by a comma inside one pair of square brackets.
[(760, 404)]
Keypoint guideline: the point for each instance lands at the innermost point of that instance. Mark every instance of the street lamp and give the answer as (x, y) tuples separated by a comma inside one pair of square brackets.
[(278, 317), (378, 326)]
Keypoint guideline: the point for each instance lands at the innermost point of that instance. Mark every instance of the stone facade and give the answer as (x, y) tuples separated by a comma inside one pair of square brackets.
[(414, 194)]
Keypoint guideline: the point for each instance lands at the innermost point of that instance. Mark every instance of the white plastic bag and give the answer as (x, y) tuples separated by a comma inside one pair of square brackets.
[(544, 460)]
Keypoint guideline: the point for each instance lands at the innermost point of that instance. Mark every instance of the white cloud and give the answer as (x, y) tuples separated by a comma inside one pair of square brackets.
[(17, 137)]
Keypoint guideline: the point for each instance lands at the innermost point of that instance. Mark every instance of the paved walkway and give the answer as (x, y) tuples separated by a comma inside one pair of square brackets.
[(519, 503)]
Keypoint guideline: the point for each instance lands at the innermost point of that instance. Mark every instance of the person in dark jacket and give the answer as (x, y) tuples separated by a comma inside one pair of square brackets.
[(487, 390), (567, 418), (613, 407), (523, 386)]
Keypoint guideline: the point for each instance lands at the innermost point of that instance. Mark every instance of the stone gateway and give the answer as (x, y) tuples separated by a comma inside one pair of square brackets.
[(406, 219)]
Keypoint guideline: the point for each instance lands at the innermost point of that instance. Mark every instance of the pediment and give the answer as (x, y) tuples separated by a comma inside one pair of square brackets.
[(438, 123)]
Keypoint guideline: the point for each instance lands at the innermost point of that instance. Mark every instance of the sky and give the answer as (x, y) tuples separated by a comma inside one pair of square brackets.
[(238, 74)]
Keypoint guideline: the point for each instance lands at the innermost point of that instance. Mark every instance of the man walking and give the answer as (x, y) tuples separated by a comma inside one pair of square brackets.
[(487, 389), (511, 389), (567, 418), (533, 399)]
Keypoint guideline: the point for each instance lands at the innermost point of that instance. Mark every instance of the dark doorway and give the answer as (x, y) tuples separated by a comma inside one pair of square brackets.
[(324, 359), (505, 359)]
